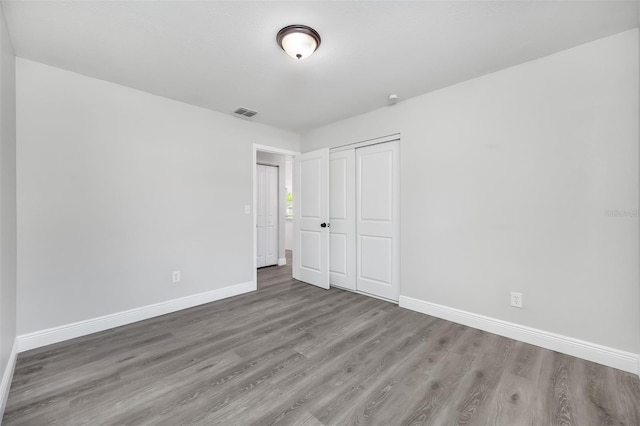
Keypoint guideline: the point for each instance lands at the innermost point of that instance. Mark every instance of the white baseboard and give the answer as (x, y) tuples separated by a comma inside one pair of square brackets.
[(611, 357), (5, 385), (282, 261), (49, 336)]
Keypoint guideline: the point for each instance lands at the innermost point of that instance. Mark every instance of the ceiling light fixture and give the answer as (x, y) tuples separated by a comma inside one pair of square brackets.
[(299, 41)]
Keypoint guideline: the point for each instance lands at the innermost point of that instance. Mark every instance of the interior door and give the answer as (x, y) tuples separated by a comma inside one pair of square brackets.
[(377, 219), (342, 207), (271, 215), (311, 218), (267, 215)]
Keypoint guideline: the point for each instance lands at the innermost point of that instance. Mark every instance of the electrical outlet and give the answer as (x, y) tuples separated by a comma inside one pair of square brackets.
[(516, 299), (176, 276)]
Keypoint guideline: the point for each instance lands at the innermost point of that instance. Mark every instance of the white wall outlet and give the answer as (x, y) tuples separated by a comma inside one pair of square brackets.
[(175, 276), (516, 299), (247, 209)]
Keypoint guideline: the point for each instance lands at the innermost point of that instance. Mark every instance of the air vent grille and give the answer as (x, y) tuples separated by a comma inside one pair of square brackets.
[(245, 112)]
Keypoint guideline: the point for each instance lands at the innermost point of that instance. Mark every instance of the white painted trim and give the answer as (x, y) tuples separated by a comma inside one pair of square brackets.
[(611, 357), (383, 139), (7, 377), (282, 261), (49, 336), (274, 150), (254, 203)]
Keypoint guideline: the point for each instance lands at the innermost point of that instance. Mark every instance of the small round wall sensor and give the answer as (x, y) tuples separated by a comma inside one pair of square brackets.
[(393, 99)]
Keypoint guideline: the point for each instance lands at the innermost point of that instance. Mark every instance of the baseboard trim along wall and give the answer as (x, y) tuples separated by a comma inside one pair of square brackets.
[(49, 336), (282, 261), (5, 385), (604, 355)]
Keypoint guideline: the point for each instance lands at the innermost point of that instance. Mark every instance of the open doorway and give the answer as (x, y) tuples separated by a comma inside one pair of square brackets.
[(272, 208)]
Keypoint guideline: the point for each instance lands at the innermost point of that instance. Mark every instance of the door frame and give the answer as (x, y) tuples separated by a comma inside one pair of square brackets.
[(272, 150)]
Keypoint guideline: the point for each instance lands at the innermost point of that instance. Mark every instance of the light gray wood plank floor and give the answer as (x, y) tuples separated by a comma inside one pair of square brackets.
[(294, 354)]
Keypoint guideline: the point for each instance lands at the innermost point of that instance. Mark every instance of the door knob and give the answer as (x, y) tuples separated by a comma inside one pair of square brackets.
[(325, 225)]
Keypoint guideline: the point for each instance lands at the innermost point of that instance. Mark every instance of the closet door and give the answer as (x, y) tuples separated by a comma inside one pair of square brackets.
[(342, 216), (271, 215), (310, 217), (267, 215), (377, 220)]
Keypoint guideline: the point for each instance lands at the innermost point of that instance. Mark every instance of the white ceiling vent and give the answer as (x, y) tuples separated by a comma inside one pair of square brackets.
[(245, 112)]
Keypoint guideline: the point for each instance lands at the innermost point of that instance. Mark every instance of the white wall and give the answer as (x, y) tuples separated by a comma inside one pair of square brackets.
[(505, 181), (280, 162), (117, 188), (7, 200)]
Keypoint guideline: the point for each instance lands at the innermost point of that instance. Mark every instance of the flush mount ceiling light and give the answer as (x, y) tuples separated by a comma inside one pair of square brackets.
[(299, 41)]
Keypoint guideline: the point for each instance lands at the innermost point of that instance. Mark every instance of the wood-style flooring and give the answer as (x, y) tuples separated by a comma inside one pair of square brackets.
[(294, 354)]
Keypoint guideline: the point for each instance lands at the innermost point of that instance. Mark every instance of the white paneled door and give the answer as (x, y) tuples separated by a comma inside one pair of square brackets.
[(377, 220), (267, 215), (311, 218), (342, 207), (347, 219)]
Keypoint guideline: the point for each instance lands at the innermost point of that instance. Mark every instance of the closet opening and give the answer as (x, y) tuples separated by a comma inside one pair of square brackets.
[(347, 217)]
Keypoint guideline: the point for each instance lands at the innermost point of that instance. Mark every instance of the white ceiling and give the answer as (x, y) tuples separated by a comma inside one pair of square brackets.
[(221, 55)]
